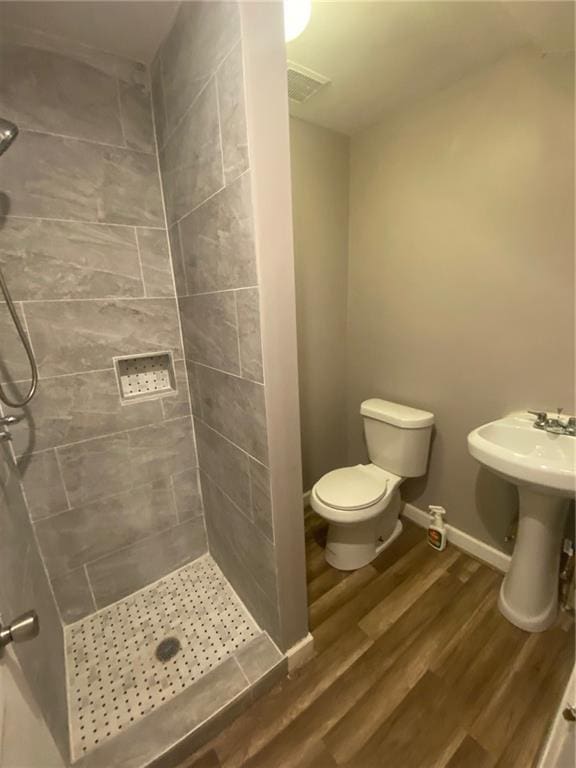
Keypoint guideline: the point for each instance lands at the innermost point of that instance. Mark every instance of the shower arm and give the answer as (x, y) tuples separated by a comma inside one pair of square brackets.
[(28, 349)]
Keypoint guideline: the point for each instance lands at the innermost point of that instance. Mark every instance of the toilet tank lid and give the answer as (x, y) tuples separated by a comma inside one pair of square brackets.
[(399, 415)]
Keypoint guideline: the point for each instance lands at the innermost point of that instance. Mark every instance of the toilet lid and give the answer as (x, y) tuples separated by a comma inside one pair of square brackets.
[(351, 487)]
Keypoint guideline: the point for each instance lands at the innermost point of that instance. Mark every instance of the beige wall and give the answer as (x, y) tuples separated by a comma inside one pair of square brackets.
[(320, 170), (461, 276)]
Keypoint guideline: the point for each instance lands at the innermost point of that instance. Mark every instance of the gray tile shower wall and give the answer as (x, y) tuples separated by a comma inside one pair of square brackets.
[(112, 489), (24, 585), (200, 117)]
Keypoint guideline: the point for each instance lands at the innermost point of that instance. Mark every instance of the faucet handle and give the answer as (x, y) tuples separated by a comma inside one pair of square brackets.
[(541, 419)]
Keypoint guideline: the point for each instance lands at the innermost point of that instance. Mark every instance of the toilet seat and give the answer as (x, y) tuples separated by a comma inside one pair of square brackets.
[(365, 486), (352, 487)]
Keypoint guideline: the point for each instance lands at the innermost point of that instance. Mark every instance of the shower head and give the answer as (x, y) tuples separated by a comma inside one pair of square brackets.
[(8, 132)]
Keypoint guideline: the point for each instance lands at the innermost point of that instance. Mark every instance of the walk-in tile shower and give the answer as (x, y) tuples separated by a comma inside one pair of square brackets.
[(146, 531), (128, 659)]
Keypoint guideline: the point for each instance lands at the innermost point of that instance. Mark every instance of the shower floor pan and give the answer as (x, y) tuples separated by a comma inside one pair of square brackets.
[(163, 668)]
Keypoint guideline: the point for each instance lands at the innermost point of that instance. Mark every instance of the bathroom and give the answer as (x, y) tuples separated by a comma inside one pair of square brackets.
[(212, 269)]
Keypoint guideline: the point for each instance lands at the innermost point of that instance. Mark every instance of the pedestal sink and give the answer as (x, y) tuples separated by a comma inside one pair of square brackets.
[(543, 466)]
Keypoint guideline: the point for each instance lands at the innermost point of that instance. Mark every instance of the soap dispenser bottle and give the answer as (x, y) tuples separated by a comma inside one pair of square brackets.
[(437, 528)]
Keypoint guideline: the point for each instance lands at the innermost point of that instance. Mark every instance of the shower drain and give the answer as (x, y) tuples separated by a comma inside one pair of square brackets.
[(167, 648)]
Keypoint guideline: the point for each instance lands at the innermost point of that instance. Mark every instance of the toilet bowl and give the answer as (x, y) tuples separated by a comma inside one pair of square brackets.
[(362, 503)]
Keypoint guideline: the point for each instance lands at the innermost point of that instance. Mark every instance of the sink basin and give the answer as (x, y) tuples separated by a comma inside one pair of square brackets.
[(513, 448), (543, 466)]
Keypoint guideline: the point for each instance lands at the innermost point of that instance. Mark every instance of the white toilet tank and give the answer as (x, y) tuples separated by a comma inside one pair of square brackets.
[(397, 436)]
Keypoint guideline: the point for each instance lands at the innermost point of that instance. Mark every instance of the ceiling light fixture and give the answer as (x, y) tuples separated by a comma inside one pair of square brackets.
[(296, 17)]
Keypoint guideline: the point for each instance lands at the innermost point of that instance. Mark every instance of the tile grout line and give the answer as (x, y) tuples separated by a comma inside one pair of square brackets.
[(238, 333), (174, 500), (180, 120), (48, 578), (251, 490), (101, 299), (181, 259), (119, 104), (223, 436), (109, 497), (93, 142), (171, 259), (260, 343), (61, 473), (142, 589), (235, 504), (91, 589), (88, 222), (196, 207), (162, 96), (125, 548), (100, 370), (234, 658), (108, 434), (220, 290), (226, 373), (170, 134), (227, 185), (222, 165), (63, 375), (229, 52), (144, 289), (115, 297)]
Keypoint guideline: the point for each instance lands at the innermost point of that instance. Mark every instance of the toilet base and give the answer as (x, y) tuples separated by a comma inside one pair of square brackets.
[(350, 547)]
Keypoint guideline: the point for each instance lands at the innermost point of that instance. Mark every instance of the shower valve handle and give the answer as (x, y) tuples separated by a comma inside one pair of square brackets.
[(8, 421), (25, 627)]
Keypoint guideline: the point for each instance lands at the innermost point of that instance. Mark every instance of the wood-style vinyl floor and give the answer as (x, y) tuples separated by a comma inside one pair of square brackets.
[(414, 668)]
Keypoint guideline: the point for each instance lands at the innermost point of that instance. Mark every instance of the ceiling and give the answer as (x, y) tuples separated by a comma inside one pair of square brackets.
[(380, 56), (130, 28)]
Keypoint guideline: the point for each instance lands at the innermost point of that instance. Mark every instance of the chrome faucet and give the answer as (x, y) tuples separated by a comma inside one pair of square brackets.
[(554, 424)]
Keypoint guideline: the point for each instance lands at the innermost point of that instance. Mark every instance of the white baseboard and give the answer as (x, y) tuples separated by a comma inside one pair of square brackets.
[(300, 653), (464, 541), (306, 498)]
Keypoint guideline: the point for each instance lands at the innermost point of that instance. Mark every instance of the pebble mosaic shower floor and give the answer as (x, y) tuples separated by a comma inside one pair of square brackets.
[(114, 675)]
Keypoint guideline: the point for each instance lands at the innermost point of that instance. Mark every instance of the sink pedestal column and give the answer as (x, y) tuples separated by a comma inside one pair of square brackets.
[(529, 593)]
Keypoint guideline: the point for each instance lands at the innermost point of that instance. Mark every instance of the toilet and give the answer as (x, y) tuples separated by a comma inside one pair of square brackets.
[(362, 504)]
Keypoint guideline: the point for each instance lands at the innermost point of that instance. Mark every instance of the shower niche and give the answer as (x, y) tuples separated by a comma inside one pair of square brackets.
[(143, 377)]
